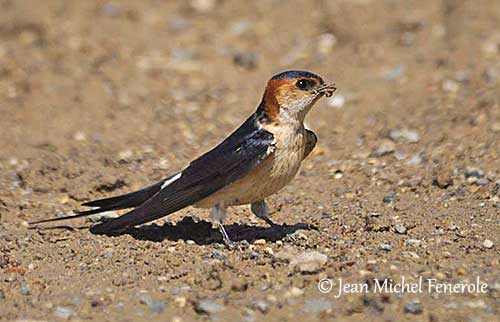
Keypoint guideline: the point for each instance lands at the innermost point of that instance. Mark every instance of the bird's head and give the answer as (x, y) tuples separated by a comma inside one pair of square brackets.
[(291, 94)]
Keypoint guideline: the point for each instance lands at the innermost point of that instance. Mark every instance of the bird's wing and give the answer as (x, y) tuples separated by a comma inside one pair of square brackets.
[(311, 140), (229, 161)]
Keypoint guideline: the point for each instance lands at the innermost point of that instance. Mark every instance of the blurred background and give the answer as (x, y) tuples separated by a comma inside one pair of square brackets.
[(102, 97)]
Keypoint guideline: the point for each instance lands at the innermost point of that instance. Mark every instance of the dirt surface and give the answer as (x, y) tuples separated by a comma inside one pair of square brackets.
[(99, 98)]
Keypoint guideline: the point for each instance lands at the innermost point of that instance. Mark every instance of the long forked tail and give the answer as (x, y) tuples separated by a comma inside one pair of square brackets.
[(129, 200)]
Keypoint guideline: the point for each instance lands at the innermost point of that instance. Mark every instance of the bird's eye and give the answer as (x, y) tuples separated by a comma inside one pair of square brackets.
[(303, 84)]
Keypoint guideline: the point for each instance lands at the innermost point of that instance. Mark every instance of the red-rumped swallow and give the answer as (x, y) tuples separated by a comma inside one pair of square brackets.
[(257, 160)]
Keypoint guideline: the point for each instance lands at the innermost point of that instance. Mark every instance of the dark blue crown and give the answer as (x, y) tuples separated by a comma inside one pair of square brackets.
[(296, 74)]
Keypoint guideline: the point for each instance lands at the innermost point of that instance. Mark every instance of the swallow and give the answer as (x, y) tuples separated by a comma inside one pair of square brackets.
[(258, 159)]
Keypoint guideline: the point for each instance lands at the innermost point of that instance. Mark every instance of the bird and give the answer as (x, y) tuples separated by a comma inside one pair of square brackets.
[(254, 162)]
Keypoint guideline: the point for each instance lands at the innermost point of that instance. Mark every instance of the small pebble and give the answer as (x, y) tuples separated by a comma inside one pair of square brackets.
[(308, 262), (239, 27), (283, 256), (218, 254), (400, 229), (125, 155), (155, 305), (482, 181), (190, 242), (64, 312), (180, 301), (208, 307), (271, 298), (404, 136), (385, 247), (471, 172), (80, 136), (390, 197), (415, 160), (269, 251), (293, 292), (399, 155), (108, 253), (180, 54), (386, 147), (259, 242), (261, 306), (450, 86), (317, 306), (202, 6), (25, 289), (414, 242), (413, 307), (487, 243), (394, 73)]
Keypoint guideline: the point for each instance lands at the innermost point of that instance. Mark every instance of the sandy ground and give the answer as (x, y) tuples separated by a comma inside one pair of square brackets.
[(98, 98)]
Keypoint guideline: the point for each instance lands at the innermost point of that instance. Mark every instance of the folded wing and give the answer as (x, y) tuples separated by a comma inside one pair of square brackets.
[(226, 163)]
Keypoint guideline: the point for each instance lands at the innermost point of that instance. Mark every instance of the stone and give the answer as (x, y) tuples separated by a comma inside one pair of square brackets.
[(317, 306), (25, 289), (64, 312), (386, 147), (404, 136), (308, 262), (293, 292), (400, 229), (261, 306), (413, 307), (472, 172), (208, 307), (390, 197), (155, 305), (385, 247), (488, 243)]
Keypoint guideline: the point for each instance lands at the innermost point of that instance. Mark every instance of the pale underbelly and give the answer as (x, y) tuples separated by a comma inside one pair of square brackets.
[(266, 179)]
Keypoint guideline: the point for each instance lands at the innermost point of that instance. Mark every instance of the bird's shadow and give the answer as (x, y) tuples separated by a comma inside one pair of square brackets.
[(203, 233)]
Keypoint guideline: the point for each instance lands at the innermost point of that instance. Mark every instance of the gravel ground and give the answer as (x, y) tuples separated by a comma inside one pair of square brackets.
[(99, 98)]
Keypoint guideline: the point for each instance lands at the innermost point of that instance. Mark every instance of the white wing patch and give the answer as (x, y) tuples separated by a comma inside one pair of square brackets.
[(169, 181)]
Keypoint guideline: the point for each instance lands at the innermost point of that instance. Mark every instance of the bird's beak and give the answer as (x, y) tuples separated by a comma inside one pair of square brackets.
[(326, 89)]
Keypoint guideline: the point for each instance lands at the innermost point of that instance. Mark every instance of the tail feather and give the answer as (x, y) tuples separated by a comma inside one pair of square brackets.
[(77, 214), (129, 200)]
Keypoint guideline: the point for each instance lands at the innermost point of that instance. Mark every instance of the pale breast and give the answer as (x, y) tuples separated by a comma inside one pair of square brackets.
[(276, 171)]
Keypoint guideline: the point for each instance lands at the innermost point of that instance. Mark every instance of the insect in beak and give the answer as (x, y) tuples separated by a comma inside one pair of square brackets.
[(327, 89)]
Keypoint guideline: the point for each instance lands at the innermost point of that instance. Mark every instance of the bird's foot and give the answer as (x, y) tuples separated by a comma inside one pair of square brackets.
[(236, 245), (231, 245)]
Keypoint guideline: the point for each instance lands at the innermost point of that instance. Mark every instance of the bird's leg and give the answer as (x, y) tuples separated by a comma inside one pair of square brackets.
[(218, 214), (261, 210)]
